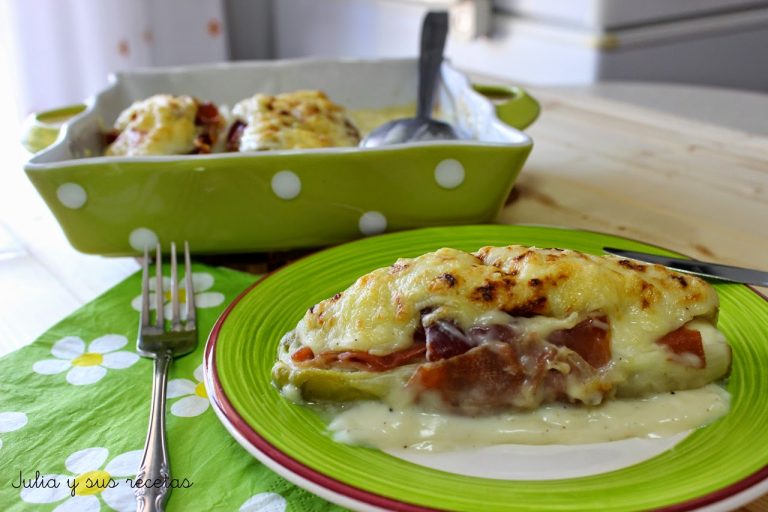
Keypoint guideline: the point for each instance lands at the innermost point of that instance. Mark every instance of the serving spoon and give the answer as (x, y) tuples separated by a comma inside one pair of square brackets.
[(422, 127)]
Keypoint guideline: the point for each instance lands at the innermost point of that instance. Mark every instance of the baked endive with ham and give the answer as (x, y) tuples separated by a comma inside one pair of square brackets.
[(303, 119), (166, 125), (506, 328)]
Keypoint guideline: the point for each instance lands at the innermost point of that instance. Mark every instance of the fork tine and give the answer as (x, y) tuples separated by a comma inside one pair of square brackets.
[(190, 295), (175, 313), (144, 320), (159, 292)]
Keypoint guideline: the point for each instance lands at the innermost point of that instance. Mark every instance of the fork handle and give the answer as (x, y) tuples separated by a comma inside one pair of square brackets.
[(154, 472)]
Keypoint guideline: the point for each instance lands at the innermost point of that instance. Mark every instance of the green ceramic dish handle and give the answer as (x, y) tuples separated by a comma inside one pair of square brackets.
[(514, 105), (41, 129)]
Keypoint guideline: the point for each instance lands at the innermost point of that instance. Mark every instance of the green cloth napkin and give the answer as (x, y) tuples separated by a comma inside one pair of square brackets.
[(74, 408)]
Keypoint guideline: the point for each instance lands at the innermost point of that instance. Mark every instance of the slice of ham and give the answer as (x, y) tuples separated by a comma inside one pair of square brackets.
[(203, 144), (446, 340), (360, 359), (111, 136), (482, 375), (207, 114), (303, 354), (490, 368), (496, 376), (590, 338), (685, 341), (209, 120), (234, 135)]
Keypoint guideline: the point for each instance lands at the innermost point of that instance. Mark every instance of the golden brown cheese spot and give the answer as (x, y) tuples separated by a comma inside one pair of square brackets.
[(521, 257), (557, 279), (485, 293), (450, 279), (443, 282), (551, 258), (633, 265), (648, 294), (680, 279), (535, 306)]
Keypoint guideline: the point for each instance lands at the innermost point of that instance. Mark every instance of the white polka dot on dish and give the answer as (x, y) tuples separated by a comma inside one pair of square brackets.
[(71, 195), (286, 184), (142, 238), (372, 223), (449, 173)]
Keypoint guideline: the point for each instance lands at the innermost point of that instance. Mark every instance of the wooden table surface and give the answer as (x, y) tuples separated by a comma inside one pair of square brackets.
[(597, 164)]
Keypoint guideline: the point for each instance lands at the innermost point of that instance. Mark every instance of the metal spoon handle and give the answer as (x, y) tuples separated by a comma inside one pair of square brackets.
[(433, 34)]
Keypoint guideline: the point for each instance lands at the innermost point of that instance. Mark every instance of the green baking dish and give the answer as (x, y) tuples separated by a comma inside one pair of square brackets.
[(245, 202)]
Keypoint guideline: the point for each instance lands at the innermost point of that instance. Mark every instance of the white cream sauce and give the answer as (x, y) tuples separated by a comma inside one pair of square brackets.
[(375, 424)]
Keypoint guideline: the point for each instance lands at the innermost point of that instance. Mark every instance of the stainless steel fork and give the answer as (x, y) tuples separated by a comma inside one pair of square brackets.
[(162, 345)]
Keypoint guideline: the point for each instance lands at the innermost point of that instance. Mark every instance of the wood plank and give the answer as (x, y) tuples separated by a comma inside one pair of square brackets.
[(622, 171)]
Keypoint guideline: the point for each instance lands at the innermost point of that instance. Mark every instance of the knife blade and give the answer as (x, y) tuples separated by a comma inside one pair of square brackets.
[(700, 268)]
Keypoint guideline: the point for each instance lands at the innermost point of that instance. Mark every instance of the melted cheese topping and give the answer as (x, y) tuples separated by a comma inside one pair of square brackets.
[(380, 311), (160, 125), (544, 290), (301, 119)]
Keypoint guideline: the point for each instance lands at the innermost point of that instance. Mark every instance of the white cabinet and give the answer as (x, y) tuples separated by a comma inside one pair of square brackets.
[(602, 14), (717, 42)]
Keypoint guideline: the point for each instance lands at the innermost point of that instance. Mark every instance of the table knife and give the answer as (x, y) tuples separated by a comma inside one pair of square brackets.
[(699, 268)]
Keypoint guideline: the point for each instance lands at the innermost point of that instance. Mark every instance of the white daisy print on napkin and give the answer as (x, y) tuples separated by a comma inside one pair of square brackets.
[(87, 366), (204, 298), (195, 398), (10, 421), (91, 482), (264, 502)]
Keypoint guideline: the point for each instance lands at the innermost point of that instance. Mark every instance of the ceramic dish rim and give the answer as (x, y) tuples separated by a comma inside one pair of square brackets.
[(92, 101)]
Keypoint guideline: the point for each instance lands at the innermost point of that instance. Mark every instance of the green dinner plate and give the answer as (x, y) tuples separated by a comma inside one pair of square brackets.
[(725, 463)]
